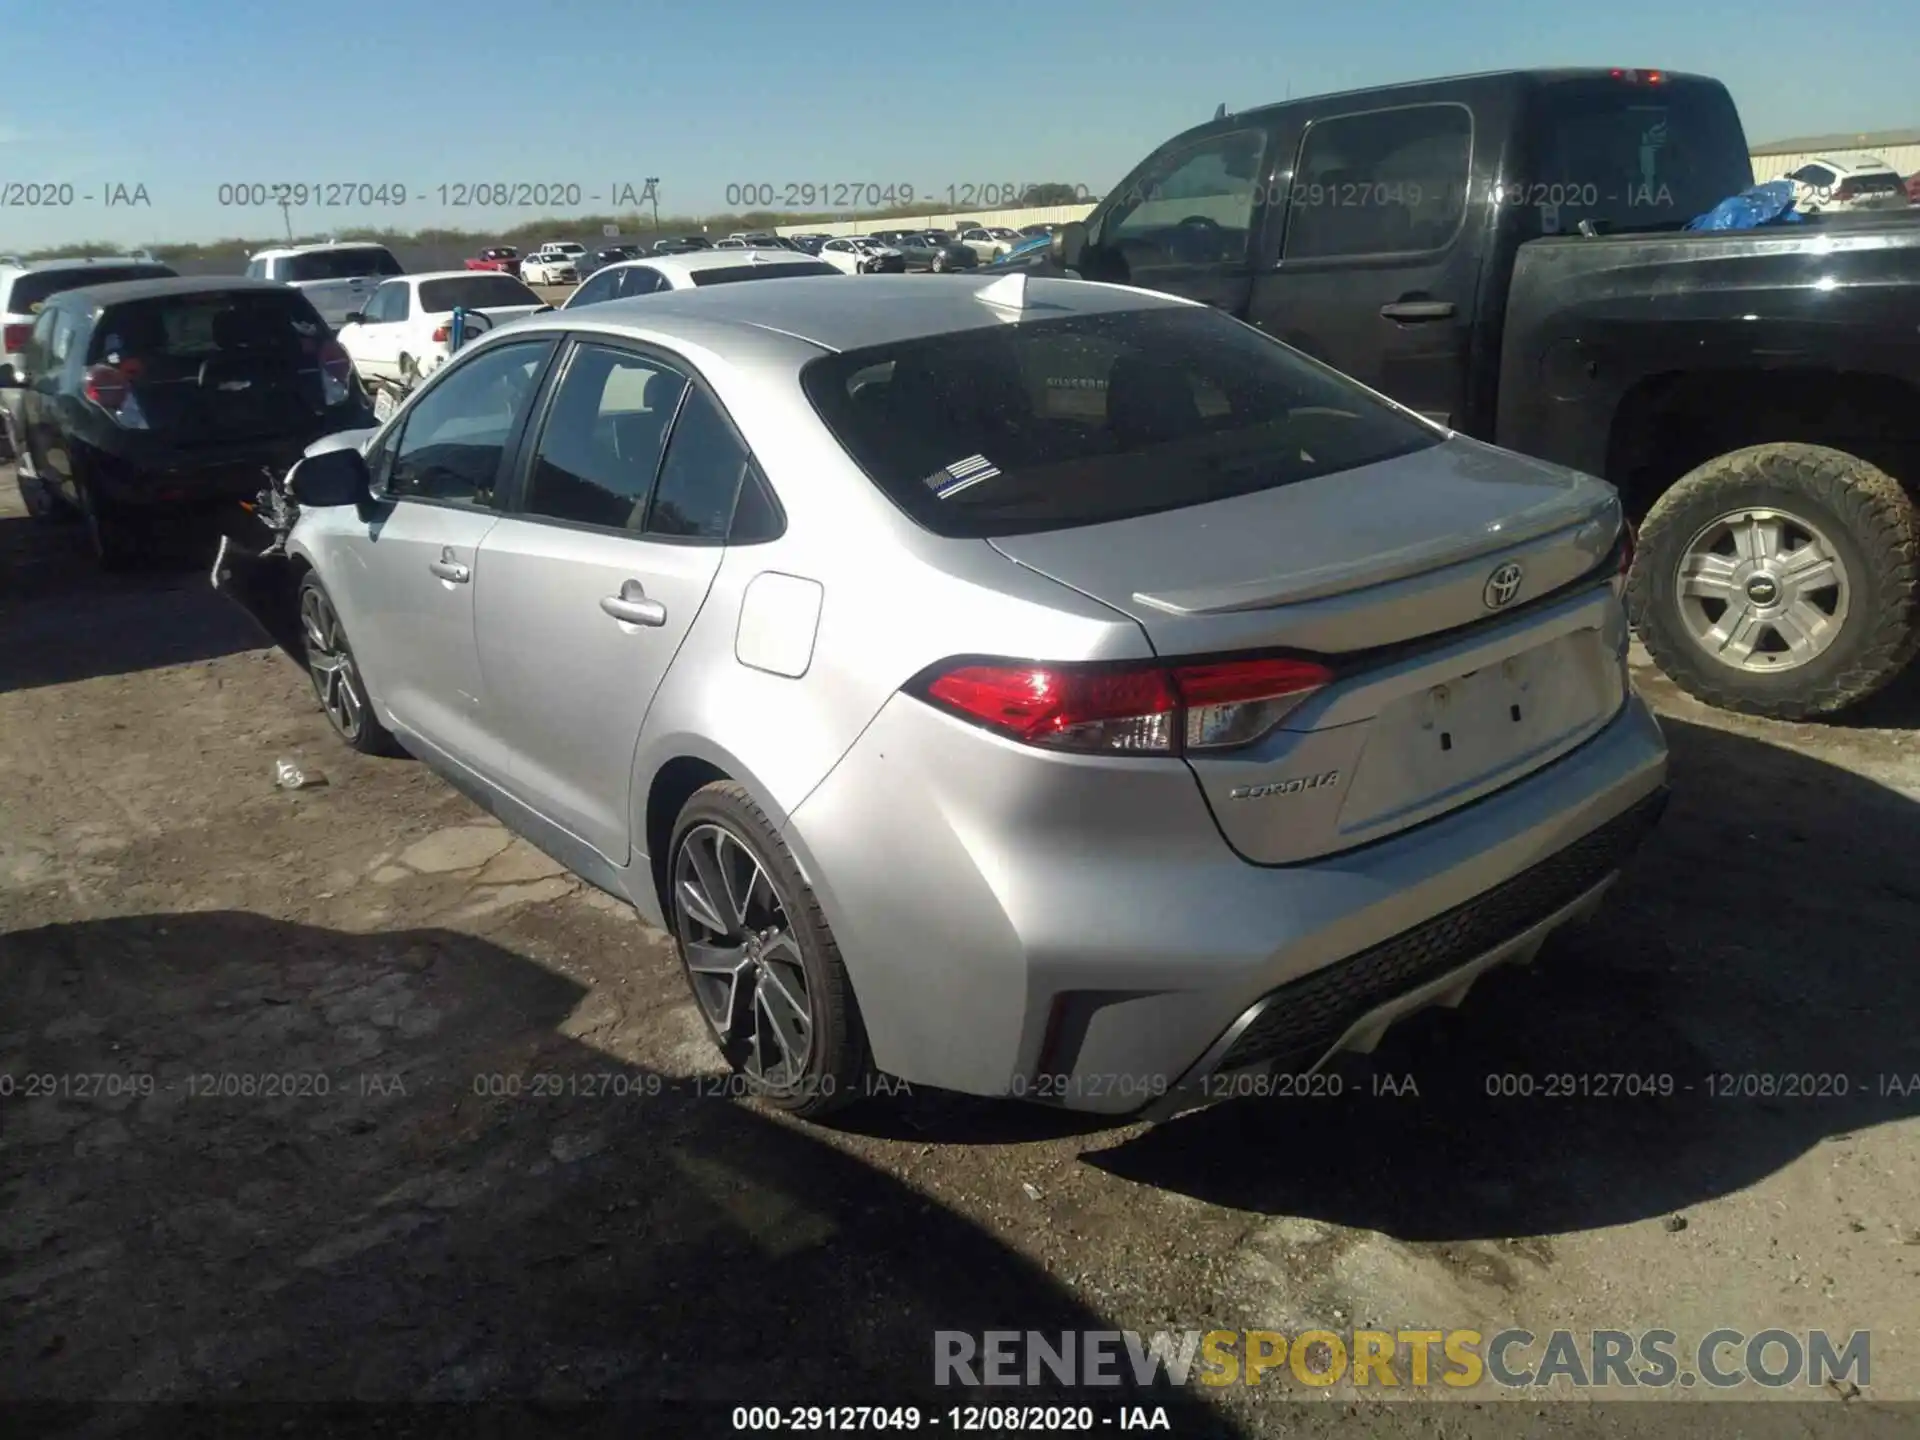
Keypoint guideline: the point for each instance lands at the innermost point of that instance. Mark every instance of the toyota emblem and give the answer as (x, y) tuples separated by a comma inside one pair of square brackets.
[(1502, 585)]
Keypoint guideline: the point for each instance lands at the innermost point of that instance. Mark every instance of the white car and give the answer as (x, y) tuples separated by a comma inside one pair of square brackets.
[(549, 268), (857, 255), (338, 278), (990, 242), (405, 332), (1837, 184), (718, 266)]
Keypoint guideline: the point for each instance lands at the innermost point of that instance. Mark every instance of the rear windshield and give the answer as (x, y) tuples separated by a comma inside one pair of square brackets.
[(342, 264), (1631, 156), (193, 328), (726, 274), (1056, 423), (36, 287), (474, 292)]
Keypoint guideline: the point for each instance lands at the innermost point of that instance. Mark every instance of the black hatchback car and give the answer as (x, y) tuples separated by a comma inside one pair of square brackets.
[(172, 394)]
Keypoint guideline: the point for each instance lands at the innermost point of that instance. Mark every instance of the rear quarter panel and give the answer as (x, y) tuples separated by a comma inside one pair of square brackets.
[(893, 599), (1588, 320)]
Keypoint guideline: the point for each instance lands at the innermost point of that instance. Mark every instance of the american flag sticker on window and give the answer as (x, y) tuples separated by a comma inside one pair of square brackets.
[(961, 474)]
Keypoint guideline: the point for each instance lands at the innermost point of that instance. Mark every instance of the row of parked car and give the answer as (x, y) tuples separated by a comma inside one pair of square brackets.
[(1111, 692)]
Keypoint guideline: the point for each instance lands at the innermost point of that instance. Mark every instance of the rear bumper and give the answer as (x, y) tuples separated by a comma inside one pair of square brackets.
[(173, 478), (1019, 926)]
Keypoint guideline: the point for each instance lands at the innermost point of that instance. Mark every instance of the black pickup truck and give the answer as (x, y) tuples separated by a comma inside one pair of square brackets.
[(1506, 254)]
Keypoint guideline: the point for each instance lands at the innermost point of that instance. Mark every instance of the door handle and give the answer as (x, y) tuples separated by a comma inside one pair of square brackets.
[(1412, 311), (633, 606), (447, 568)]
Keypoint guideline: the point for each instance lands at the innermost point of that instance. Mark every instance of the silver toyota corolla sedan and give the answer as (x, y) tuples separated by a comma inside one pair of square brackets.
[(1019, 686)]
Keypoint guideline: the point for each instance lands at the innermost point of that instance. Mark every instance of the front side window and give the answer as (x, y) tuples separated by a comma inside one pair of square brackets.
[(601, 443), (641, 280), (1193, 206), (1050, 424), (455, 434), (1383, 183)]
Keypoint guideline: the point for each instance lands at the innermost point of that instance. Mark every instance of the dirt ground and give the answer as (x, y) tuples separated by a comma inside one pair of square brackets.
[(344, 1094)]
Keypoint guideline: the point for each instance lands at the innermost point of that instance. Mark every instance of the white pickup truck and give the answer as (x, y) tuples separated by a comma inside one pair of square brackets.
[(337, 277)]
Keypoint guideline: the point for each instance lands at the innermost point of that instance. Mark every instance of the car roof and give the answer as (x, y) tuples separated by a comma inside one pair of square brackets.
[(1859, 164), (276, 251), (426, 275), (119, 292), (78, 262), (695, 260), (891, 308)]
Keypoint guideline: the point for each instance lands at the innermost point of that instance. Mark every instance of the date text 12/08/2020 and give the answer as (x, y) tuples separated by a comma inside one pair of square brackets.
[(889, 194), (457, 195)]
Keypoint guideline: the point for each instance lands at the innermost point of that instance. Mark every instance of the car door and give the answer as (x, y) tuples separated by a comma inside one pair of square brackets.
[(407, 594), (1188, 219), (374, 342), (597, 574), (1376, 275), (48, 350)]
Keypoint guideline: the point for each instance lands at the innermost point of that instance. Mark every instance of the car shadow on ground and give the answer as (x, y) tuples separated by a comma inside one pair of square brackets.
[(62, 619), (1767, 930), (255, 1161)]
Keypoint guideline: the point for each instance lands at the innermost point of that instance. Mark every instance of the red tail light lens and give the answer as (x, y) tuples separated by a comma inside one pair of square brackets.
[(107, 387), (335, 362), (442, 334), (1638, 77), (1149, 709), (17, 337)]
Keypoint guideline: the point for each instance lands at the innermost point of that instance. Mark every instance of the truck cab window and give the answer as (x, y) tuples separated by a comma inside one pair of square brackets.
[(1383, 183), (1193, 206)]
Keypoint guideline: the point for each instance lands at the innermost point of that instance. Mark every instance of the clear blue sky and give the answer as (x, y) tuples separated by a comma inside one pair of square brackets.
[(181, 95)]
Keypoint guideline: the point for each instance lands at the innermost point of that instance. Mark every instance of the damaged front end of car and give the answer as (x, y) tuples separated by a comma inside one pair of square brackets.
[(265, 581)]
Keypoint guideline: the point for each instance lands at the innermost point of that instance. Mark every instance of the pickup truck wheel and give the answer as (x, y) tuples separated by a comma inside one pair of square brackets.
[(1780, 580)]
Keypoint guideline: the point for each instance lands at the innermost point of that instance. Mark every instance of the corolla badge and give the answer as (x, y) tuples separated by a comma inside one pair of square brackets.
[(1297, 785), (1502, 585)]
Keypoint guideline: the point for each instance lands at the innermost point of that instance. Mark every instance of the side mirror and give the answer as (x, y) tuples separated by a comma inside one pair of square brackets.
[(10, 378), (1069, 245), (355, 317), (333, 477), (544, 310)]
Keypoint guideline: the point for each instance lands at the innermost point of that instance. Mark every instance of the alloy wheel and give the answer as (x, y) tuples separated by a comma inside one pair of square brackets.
[(742, 957), (1762, 590), (330, 663)]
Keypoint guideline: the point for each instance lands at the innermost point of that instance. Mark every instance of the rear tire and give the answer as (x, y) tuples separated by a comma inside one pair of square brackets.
[(756, 963), (337, 682), (1759, 525), (112, 534)]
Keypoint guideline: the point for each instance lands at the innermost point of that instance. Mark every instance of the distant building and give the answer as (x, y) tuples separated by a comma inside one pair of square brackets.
[(1899, 148)]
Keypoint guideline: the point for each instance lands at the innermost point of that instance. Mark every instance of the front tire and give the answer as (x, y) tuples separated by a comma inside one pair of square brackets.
[(1780, 580), (939, 266), (337, 683), (763, 966)]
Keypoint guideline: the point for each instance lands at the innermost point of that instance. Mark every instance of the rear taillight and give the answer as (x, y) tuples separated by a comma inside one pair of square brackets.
[(442, 334), (1148, 709), (112, 390), (17, 337), (336, 372), (1639, 77)]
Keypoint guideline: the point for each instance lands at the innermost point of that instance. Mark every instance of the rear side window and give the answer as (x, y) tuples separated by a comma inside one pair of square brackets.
[(36, 287), (181, 331), (600, 445), (1382, 183), (727, 274), (1050, 424), (701, 477), (346, 263)]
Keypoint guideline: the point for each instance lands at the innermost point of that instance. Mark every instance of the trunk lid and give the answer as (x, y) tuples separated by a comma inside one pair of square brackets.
[(1396, 574)]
